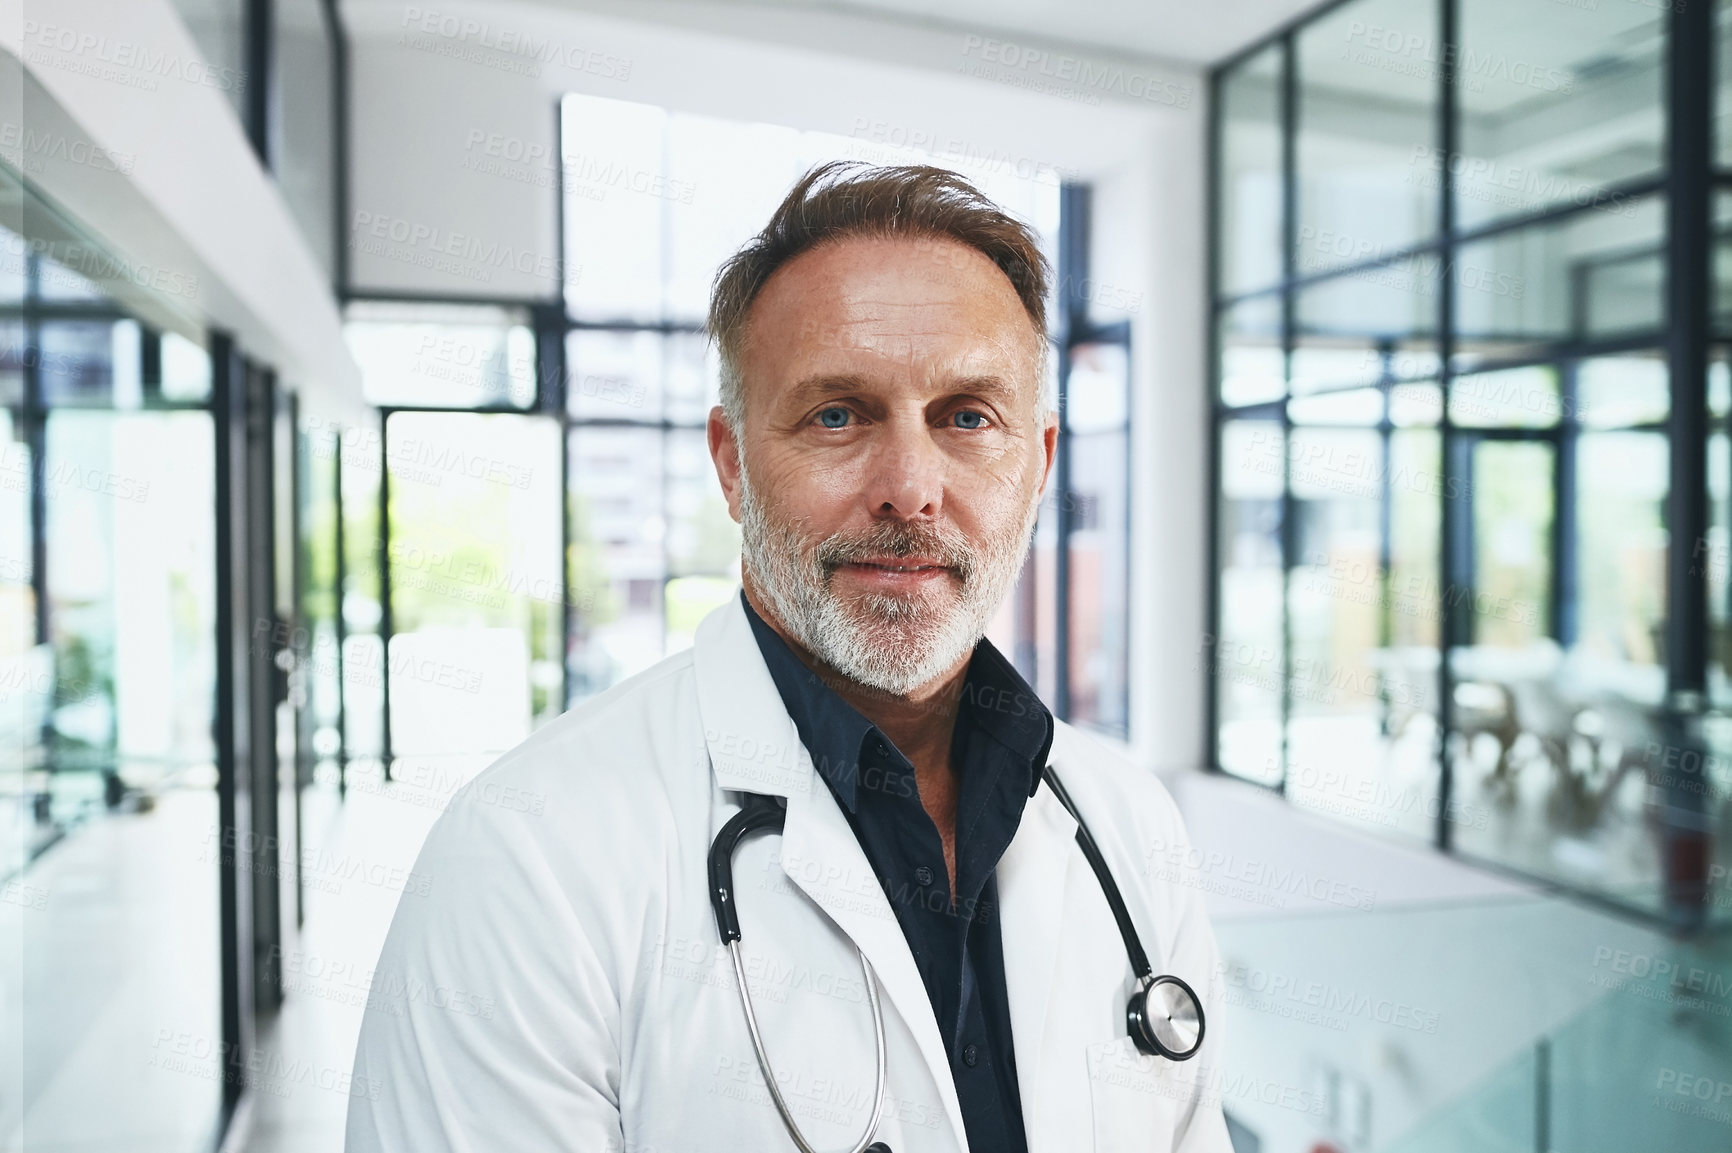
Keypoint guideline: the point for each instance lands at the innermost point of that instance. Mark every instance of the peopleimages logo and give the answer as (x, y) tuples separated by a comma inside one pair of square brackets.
[(121, 61), (39, 148), (1090, 77), (1421, 54), (442, 249), (1182, 862), (1662, 978), (1694, 1094), (96, 264), (1510, 186), (1334, 1003), (515, 49)]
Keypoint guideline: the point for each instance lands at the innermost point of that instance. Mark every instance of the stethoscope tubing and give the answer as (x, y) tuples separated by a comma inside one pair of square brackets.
[(763, 1055)]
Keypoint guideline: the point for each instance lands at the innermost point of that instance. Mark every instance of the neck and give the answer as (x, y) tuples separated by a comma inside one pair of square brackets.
[(920, 724)]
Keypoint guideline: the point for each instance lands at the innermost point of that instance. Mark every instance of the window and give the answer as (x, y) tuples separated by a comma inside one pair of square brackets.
[(443, 356), (1444, 536)]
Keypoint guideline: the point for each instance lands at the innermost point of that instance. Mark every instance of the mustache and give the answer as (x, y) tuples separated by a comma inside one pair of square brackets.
[(899, 539)]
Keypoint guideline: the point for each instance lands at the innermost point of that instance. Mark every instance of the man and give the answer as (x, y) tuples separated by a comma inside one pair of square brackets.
[(883, 441)]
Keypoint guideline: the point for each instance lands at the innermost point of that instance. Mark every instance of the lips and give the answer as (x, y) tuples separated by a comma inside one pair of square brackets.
[(892, 573), (900, 564), (894, 554)]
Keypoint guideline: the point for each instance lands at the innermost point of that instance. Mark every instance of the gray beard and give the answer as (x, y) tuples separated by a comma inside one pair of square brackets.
[(889, 643)]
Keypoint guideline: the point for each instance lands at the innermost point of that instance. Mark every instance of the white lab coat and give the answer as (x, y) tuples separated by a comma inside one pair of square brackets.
[(555, 981)]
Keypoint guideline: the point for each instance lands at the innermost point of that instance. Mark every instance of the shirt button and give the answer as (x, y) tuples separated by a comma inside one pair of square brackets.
[(970, 1054), (923, 875)]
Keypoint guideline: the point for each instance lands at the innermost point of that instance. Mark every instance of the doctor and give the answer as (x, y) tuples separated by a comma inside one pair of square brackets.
[(931, 958)]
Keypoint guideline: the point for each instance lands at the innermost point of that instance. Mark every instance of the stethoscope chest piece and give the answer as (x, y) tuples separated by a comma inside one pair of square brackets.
[(1165, 1019)]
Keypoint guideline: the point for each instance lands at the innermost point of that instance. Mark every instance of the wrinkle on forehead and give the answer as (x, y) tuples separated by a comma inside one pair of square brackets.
[(895, 296), (954, 348)]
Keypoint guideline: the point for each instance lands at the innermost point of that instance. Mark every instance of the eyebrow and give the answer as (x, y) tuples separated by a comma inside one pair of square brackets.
[(827, 385), (992, 387)]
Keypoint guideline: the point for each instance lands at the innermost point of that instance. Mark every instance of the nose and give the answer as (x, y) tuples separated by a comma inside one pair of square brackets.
[(906, 479)]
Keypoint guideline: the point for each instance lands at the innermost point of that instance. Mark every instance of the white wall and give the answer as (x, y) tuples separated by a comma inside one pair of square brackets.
[(427, 78), (1170, 487), (1260, 856)]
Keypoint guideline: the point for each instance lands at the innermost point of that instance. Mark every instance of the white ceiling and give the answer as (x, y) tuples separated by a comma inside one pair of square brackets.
[(1188, 31), (1194, 31)]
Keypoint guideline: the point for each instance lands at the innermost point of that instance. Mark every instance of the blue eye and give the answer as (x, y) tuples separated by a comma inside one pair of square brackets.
[(834, 417), (968, 418)]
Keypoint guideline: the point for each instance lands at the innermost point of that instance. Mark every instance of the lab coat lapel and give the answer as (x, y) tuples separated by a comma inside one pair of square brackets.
[(751, 741), (822, 856), (754, 747), (1032, 876)]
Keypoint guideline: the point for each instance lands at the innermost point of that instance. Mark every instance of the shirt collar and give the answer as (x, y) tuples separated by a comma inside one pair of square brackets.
[(996, 701), (999, 703)]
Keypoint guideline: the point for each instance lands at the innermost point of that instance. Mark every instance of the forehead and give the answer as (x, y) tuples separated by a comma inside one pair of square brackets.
[(896, 300)]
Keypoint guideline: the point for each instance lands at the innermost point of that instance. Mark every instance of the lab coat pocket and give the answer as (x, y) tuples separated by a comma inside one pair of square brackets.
[(1134, 1097)]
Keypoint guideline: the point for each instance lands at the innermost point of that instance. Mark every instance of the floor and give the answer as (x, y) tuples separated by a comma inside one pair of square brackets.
[(1414, 1029), (307, 1051), (110, 973), (109, 986)]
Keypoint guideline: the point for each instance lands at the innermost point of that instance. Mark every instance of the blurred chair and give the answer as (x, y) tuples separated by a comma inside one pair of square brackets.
[(1486, 709), (1407, 680)]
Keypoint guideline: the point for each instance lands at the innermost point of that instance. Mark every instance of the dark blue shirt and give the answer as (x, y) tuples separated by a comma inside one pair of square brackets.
[(1002, 737)]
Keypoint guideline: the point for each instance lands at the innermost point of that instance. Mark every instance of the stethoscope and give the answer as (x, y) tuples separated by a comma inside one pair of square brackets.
[(1164, 1017)]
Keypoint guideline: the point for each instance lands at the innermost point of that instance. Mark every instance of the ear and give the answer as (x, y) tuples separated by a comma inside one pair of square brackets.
[(725, 452), (1049, 446)]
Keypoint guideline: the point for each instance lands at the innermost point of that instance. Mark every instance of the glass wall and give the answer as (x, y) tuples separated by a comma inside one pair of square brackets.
[(150, 859), (1444, 437), (109, 875)]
